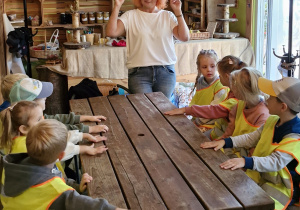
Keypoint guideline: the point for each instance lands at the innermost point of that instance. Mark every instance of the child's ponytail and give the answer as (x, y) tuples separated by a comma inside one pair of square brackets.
[(12, 118), (7, 128)]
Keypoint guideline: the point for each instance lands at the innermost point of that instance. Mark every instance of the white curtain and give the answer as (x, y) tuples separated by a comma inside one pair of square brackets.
[(277, 28)]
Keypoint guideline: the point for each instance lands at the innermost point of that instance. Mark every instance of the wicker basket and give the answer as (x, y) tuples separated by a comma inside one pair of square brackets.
[(196, 34), (36, 52)]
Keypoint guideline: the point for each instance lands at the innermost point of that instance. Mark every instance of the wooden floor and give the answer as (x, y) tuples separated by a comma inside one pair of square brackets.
[(75, 80)]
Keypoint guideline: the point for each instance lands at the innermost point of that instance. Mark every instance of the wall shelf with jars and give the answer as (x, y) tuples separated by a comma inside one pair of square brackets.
[(52, 12)]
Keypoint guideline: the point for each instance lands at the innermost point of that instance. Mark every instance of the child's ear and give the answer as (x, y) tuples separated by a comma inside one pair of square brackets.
[(61, 155), (284, 107), (23, 129)]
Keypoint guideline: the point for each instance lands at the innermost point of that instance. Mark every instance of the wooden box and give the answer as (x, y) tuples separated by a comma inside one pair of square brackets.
[(197, 34)]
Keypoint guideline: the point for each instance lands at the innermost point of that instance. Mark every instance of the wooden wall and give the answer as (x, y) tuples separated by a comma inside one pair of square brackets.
[(51, 9)]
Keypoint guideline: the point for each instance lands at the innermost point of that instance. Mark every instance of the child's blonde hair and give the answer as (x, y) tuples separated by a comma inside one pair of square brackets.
[(204, 53), (8, 82), (12, 118), (229, 64), (45, 141), (246, 85), (160, 4)]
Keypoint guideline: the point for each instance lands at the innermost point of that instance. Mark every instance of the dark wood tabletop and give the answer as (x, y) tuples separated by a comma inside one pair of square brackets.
[(155, 161)]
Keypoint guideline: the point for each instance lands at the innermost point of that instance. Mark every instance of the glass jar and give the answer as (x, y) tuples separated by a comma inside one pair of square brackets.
[(99, 16), (63, 18), (106, 17), (84, 18), (91, 17), (69, 17)]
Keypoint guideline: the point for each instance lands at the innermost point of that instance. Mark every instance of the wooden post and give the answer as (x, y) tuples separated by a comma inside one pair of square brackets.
[(226, 16), (202, 14), (45, 39), (249, 17)]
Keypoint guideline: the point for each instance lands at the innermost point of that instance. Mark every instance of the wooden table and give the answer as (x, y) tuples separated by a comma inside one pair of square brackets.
[(155, 161)]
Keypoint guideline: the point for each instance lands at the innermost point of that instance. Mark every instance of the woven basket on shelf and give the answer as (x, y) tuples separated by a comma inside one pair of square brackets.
[(48, 54), (196, 34)]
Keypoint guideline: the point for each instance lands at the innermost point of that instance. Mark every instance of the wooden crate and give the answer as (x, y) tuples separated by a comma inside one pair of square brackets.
[(197, 34)]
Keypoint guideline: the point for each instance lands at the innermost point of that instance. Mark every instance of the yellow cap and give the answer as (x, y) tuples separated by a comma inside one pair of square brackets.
[(266, 86)]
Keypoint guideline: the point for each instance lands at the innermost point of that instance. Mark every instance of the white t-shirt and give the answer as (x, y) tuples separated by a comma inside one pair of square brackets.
[(149, 38)]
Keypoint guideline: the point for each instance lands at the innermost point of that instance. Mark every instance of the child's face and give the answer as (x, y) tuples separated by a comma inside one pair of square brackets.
[(41, 102), (36, 115), (224, 78), (207, 67), (273, 105)]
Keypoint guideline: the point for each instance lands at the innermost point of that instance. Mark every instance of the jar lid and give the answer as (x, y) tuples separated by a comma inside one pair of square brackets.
[(99, 12), (106, 12), (91, 12), (62, 13)]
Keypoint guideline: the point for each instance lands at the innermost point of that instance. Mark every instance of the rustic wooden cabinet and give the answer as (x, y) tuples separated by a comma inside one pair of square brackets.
[(194, 12), (51, 10)]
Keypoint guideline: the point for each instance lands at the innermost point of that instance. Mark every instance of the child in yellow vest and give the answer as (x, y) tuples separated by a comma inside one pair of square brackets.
[(19, 118), (274, 164), (208, 86), (250, 112), (217, 111), (31, 183), (22, 91)]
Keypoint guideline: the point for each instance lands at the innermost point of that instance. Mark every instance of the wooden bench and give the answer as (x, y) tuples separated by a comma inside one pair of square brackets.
[(155, 161)]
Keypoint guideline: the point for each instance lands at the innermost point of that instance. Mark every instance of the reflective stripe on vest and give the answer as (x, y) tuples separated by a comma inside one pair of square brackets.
[(40, 196), (221, 123), (206, 95), (278, 184)]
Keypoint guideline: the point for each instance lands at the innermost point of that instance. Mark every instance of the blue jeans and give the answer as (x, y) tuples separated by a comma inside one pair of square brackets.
[(152, 79)]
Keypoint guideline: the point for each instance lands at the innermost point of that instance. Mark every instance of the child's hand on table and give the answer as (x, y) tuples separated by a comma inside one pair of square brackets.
[(84, 180), (213, 144), (175, 111), (92, 138), (98, 129), (233, 164), (91, 150), (97, 118)]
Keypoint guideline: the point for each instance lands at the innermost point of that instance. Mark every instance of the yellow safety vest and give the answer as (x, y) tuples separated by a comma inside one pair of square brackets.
[(39, 197), (242, 126), (221, 123), (279, 184), (206, 95)]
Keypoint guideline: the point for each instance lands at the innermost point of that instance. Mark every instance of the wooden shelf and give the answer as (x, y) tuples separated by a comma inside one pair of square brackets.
[(68, 25), (189, 16), (195, 1), (192, 15)]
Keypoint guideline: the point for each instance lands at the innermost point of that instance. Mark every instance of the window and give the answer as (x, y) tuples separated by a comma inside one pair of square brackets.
[(272, 26)]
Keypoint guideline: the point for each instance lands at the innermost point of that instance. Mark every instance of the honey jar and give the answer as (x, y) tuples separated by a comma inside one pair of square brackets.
[(99, 17), (84, 18), (106, 17), (91, 17)]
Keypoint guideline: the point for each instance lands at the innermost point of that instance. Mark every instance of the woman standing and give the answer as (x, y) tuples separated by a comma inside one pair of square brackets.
[(150, 44)]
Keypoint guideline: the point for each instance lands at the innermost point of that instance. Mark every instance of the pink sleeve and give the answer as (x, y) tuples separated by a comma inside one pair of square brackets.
[(231, 124), (207, 111)]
